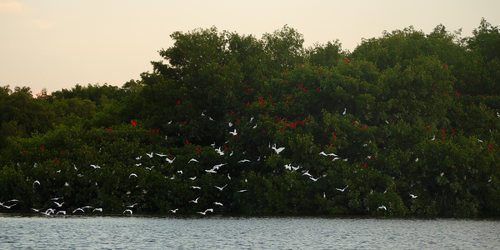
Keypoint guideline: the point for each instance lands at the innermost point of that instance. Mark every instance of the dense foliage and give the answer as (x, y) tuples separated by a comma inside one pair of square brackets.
[(405, 125)]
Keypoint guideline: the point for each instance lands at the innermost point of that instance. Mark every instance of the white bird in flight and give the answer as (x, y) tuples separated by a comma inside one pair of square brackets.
[(207, 210), (174, 210), (195, 200), (170, 161), (314, 179), (132, 175), (221, 188), (160, 155), (219, 151), (234, 132), (193, 178), (413, 196), (218, 204), (277, 150), (150, 155), (196, 187), (382, 208), (325, 154), (133, 205), (95, 166), (345, 111), (78, 209), (128, 211), (97, 209), (59, 204), (242, 191), (192, 160), (210, 171), (342, 189), (243, 161)]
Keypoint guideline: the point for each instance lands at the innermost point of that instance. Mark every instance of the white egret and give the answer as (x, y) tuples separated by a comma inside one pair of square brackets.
[(342, 189)]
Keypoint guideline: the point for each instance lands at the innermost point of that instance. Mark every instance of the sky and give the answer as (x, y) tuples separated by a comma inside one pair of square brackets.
[(56, 44)]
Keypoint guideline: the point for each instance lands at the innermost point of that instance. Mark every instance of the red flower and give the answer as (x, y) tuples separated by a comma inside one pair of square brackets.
[(133, 123)]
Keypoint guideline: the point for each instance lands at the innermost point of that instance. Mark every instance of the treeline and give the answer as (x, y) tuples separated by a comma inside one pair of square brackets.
[(404, 125)]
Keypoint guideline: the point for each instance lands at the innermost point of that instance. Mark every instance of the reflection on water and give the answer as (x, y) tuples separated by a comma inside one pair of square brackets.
[(245, 233)]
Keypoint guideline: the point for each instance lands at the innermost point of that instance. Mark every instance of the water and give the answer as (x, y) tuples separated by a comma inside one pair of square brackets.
[(245, 233)]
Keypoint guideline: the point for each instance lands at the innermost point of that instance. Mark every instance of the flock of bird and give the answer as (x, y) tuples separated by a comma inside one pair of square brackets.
[(58, 205)]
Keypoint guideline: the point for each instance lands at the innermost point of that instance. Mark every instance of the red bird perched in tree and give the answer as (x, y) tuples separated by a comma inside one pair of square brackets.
[(334, 136), (490, 147), (133, 123), (443, 134)]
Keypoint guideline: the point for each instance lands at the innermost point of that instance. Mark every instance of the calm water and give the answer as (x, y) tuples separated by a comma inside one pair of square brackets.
[(253, 233)]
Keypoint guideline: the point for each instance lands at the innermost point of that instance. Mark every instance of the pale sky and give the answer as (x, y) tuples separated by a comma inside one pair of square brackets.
[(57, 44)]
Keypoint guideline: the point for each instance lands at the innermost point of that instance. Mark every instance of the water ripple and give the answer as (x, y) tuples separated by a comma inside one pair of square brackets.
[(248, 233)]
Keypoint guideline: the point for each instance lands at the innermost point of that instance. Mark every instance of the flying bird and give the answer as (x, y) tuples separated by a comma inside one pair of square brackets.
[(95, 166), (160, 155), (382, 208), (234, 133), (342, 189), (243, 161), (207, 210), (413, 196), (218, 204), (97, 209), (150, 155), (221, 188), (219, 151), (196, 187), (132, 175), (133, 205), (195, 200), (59, 204), (277, 150), (78, 209), (174, 210), (242, 191), (314, 179), (170, 161), (128, 211), (345, 111), (192, 160)]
